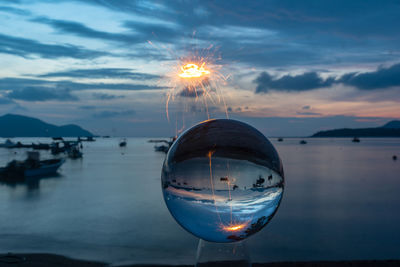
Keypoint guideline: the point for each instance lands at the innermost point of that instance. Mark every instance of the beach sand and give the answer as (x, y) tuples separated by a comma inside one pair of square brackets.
[(47, 260)]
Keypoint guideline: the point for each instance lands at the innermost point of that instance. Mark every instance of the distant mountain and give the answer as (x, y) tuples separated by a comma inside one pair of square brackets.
[(22, 126), (390, 129), (392, 124)]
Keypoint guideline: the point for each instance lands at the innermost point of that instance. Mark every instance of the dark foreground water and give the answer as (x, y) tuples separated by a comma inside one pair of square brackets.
[(341, 201)]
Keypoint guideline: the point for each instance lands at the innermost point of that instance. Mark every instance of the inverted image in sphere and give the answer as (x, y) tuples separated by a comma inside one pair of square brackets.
[(222, 180)]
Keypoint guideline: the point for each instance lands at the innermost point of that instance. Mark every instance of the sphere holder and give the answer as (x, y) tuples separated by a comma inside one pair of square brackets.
[(212, 254)]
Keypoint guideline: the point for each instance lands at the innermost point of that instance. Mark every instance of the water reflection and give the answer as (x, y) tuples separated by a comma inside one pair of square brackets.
[(30, 183)]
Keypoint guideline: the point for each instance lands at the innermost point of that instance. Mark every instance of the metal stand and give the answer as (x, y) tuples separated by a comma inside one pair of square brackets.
[(222, 254)]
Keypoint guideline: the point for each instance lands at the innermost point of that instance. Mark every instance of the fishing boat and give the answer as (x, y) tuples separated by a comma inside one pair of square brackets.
[(87, 139), (123, 143), (31, 167), (355, 140), (303, 142), (74, 153), (163, 148), (8, 144)]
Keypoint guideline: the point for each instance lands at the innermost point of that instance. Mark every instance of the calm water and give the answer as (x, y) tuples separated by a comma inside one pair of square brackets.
[(341, 201)]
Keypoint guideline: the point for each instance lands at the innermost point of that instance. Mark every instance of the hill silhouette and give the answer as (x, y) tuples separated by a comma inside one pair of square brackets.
[(22, 126), (390, 129)]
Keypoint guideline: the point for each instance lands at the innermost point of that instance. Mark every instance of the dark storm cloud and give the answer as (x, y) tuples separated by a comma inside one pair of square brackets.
[(101, 73), (112, 114), (41, 94), (20, 83), (26, 47), (101, 96), (303, 82), (381, 78)]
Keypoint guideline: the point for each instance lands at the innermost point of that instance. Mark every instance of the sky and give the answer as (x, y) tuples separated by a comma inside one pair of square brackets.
[(289, 68)]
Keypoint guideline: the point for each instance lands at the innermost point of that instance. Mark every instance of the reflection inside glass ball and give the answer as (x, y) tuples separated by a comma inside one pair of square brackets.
[(222, 180)]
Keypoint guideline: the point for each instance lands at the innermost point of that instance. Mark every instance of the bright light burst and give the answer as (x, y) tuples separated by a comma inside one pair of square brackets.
[(196, 81), (192, 70), (196, 78), (233, 227)]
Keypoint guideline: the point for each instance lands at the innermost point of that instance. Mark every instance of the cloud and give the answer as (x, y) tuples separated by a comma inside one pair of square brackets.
[(26, 47), (308, 113), (101, 73), (112, 114), (87, 107), (101, 96), (14, 10), (139, 32), (41, 94), (276, 33), (21, 83), (5, 101), (81, 30), (381, 78), (303, 82), (190, 92)]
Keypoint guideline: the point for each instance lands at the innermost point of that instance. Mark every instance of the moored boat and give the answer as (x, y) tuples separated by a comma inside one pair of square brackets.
[(31, 167)]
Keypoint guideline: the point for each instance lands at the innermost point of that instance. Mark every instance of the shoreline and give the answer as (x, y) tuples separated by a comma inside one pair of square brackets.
[(47, 260)]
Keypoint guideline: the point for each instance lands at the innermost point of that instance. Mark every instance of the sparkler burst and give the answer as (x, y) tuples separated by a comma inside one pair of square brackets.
[(192, 70), (196, 80)]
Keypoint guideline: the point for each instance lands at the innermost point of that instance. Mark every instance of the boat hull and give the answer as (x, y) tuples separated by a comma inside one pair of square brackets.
[(44, 170)]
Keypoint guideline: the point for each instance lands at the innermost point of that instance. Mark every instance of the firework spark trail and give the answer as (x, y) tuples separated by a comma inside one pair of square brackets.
[(195, 74)]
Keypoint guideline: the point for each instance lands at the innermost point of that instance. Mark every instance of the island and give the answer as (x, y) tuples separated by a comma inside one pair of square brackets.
[(390, 129), (12, 125)]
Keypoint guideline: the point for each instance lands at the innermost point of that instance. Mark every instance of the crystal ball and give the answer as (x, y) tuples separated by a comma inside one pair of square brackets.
[(222, 180)]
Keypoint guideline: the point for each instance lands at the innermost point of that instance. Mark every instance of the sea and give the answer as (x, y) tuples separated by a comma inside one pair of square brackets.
[(341, 202)]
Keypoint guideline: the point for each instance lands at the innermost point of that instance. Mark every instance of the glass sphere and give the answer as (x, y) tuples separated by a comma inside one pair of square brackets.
[(222, 180)]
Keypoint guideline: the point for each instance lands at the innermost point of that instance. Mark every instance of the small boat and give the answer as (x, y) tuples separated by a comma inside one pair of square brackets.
[(45, 168), (303, 142), (87, 139), (161, 148), (8, 144), (41, 146), (74, 153), (58, 138), (57, 149), (31, 167), (394, 157), (280, 139), (355, 140), (123, 143)]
